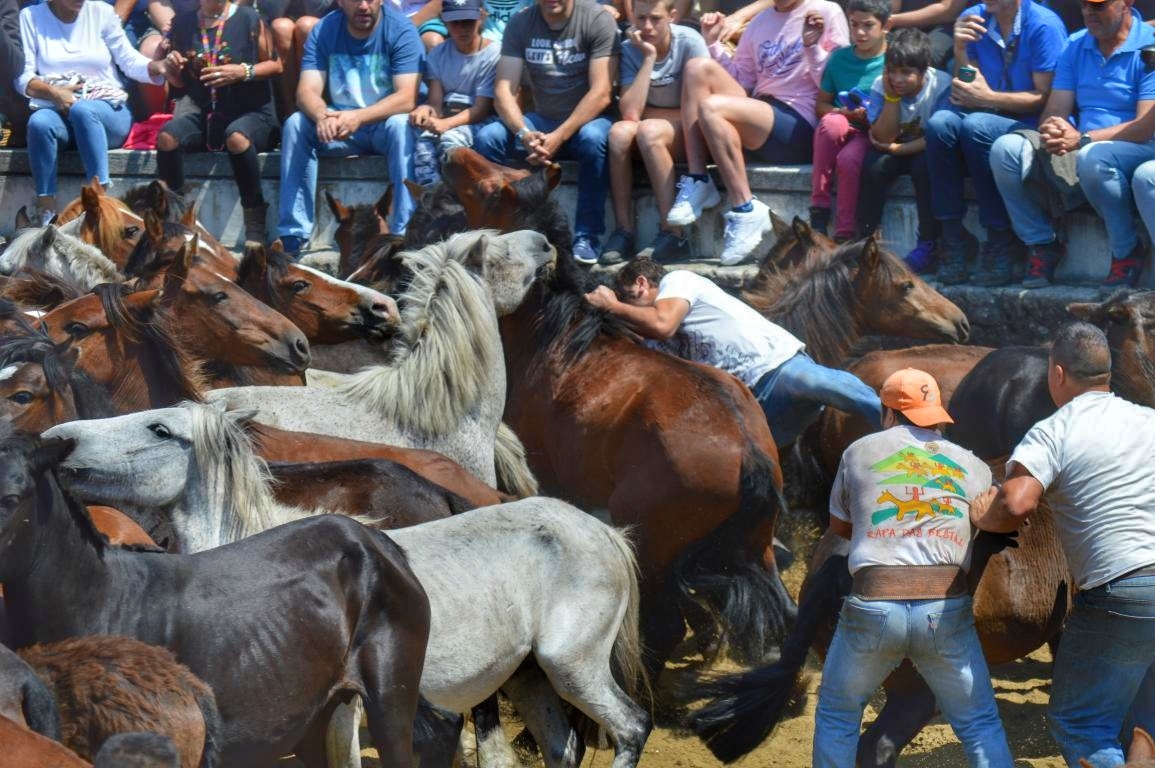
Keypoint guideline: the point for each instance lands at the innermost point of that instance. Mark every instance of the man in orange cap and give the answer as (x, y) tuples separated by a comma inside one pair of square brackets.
[(902, 497)]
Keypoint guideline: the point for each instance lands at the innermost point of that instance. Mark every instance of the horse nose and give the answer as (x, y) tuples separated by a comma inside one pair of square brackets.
[(963, 327), (299, 351), (385, 308)]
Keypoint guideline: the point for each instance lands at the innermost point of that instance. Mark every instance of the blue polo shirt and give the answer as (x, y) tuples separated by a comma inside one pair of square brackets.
[(360, 72), (1035, 44), (1106, 90)]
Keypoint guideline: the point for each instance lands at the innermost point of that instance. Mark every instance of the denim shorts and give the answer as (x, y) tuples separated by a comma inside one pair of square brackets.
[(790, 142)]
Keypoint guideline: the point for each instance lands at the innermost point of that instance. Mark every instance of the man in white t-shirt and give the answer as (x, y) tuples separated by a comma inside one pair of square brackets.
[(902, 497), (1093, 460), (693, 318)]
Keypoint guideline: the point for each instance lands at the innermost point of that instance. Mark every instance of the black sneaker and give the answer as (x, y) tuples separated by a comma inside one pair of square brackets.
[(1041, 263), (619, 248), (668, 248)]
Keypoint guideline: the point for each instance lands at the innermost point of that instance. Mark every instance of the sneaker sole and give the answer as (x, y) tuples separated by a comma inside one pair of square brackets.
[(587, 262), (708, 203)]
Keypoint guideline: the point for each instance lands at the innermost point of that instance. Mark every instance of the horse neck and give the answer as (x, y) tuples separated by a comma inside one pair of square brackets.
[(210, 514), (826, 314), (1134, 381), (517, 339), (219, 375)]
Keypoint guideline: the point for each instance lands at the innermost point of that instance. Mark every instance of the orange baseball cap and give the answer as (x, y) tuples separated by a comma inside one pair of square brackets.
[(915, 394)]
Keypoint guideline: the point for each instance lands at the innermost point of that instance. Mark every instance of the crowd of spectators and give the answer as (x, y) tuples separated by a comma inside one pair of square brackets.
[(1042, 114)]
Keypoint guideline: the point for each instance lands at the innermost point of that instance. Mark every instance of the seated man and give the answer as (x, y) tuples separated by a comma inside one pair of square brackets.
[(714, 328), (569, 50), (460, 74), (370, 59), (1102, 79), (760, 100), (1003, 93), (652, 62)]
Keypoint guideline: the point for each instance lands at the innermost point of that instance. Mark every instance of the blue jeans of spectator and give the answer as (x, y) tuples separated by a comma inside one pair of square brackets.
[(1103, 670), (588, 147), (793, 394), (1012, 158), (300, 148), (938, 636), (957, 146), (1105, 171), (94, 126), (1143, 188)]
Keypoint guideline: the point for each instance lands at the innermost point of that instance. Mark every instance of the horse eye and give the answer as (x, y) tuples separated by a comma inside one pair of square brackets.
[(23, 397), (77, 330), (130, 232), (219, 296), (160, 430), (10, 501), (908, 286), (299, 286)]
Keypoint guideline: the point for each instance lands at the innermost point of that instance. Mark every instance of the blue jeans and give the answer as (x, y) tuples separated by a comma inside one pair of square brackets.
[(300, 148), (792, 396), (1104, 669), (588, 146), (1011, 159), (959, 145), (1105, 170), (1143, 188), (938, 636), (93, 125)]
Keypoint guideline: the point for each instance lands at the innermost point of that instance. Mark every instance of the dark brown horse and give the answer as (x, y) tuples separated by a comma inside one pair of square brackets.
[(361, 229), (108, 685), (307, 634)]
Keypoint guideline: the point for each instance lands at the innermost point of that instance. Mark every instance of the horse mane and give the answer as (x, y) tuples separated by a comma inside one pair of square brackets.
[(263, 285), (144, 261), (438, 215), (31, 287), (566, 321), (38, 348), (447, 324), (85, 262), (169, 365), (143, 198), (72, 218), (817, 302)]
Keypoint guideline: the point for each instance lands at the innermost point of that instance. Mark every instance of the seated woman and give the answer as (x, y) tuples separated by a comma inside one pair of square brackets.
[(70, 47), (221, 60)]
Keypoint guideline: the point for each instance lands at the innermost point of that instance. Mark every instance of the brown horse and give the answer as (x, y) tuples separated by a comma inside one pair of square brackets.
[(104, 221), (361, 229), (1129, 321), (831, 298), (155, 197), (163, 243), (25, 748), (108, 685)]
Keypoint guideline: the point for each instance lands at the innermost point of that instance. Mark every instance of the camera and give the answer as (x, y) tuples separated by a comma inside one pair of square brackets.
[(968, 74), (195, 61)]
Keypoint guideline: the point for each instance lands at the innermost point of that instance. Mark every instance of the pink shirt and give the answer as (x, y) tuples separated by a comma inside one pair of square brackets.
[(771, 60)]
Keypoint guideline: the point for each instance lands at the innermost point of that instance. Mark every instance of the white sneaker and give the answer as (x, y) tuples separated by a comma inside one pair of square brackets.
[(744, 231), (693, 196)]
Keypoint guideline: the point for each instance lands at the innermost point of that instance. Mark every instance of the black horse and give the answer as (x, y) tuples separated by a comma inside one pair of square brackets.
[(283, 625)]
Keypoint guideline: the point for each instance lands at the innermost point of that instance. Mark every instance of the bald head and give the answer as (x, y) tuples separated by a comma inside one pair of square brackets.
[(1081, 350)]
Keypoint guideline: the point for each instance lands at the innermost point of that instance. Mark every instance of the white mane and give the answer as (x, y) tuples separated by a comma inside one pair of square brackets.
[(66, 257), (448, 324)]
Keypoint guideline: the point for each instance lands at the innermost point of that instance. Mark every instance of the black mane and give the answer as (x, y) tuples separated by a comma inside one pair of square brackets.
[(59, 371), (144, 262)]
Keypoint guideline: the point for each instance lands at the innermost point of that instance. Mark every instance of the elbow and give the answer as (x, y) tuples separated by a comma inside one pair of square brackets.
[(1020, 507)]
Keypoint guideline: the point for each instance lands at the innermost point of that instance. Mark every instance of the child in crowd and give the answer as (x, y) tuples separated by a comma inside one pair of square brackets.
[(901, 101), (842, 137), (653, 55), (459, 74)]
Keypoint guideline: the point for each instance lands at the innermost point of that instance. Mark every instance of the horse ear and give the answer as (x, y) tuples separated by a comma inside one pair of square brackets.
[(157, 199), (414, 188), (258, 256), (50, 452), (89, 201), (475, 259), (243, 417), (190, 216), (870, 253), (47, 237), (1142, 746), (219, 405), (153, 227), (779, 225), (339, 210), (802, 230), (277, 246), (552, 174), (384, 203), (1092, 313), (23, 220), (177, 272), (95, 186)]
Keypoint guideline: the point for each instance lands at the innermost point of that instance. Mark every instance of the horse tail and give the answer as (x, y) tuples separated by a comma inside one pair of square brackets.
[(211, 754), (745, 708), (812, 483), (628, 641), (746, 599), (514, 476), (39, 708)]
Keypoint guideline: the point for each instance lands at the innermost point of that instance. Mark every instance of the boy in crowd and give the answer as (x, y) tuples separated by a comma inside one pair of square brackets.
[(901, 102), (842, 137), (653, 56), (459, 74)]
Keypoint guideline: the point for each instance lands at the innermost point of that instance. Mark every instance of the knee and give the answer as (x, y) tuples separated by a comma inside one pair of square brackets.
[(237, 142), (592, 139), (833, 125), (83, 111), (1143, 182), (166, 142), (652, 134), (304, 26), (1007, 152), (150, 47), (697, 69), (622, 136), (943, 125), (1096, 162), (709, 111)]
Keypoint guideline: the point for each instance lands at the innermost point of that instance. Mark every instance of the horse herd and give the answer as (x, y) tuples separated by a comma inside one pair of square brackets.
[(247, 506)]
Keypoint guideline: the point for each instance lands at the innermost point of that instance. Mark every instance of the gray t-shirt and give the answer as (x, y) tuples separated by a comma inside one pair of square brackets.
[(463, 77), (906, 491), (1093, 456), (666, 76), (558, 61)]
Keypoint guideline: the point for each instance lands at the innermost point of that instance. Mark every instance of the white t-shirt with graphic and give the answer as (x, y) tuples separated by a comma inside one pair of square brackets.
[(906, 491), (1094, 458), (914, 111), (724, 332)]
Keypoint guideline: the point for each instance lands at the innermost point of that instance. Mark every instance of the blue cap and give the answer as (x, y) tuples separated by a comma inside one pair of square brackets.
[(460, 10)]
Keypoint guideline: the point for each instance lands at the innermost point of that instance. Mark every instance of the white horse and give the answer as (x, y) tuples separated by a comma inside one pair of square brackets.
[(61, 255), (536, 576), (445, 390)]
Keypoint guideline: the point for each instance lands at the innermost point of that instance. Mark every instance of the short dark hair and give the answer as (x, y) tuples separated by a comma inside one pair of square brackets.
[(908, 47), (1083, 352), (879, 9), (640, 267)]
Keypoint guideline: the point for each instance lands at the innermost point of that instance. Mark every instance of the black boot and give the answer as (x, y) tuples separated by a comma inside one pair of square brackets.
[(819, 219)]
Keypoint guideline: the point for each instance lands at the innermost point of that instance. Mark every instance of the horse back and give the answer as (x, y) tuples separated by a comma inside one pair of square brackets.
[(1000, 400)]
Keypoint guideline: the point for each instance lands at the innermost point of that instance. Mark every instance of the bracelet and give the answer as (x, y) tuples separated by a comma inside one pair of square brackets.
[(250, 71), (524, 130), (891, 99)]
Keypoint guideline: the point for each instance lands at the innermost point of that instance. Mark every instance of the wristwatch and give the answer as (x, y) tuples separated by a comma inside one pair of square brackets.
[(1084, 140)]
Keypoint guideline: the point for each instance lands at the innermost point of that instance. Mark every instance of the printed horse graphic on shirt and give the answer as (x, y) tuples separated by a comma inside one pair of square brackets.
[(917, 506)]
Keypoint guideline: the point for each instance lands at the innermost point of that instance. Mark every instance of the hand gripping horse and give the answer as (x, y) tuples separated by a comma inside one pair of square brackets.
[(531, 581), (312, 613)]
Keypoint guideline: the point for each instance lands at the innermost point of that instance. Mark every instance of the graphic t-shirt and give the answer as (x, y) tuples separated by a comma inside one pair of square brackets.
[(915, 110), (360, 72), (1093, 456), (558, 61), (846, 71), (724, 332), (906, 491), (499, 14), (666, 76), (463, 77)]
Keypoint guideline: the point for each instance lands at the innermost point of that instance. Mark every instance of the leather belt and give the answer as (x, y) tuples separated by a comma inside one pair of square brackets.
[(909, 582)]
